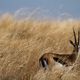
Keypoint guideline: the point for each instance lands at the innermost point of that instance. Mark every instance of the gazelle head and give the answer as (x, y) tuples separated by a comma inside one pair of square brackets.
[(76, 41)]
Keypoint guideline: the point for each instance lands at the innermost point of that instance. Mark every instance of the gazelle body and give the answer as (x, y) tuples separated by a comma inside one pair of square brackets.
[(65, 59)]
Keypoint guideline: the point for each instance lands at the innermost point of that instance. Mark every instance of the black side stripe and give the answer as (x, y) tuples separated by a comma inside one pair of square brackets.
[(59, 61)]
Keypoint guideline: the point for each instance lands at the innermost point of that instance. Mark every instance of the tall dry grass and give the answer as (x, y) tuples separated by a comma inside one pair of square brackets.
[(23, 42)]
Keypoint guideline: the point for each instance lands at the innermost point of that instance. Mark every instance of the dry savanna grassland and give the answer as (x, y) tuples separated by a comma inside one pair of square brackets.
[(22, 42)]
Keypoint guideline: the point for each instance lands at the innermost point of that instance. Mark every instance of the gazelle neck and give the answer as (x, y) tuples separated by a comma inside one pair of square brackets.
[(79, 52), (74, 55), (79, 49), (77, 57)]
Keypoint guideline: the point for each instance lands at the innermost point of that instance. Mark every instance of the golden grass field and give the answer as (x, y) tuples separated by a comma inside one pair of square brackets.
[(23, 42)]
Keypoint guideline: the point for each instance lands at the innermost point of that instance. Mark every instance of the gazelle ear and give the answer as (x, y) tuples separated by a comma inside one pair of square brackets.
[(72, 42)]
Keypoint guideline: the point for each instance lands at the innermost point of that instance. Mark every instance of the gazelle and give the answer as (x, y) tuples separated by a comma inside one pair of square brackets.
[(64, 59)]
